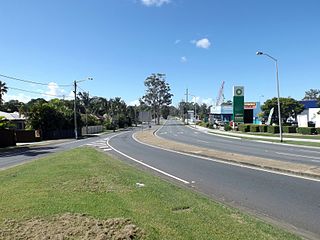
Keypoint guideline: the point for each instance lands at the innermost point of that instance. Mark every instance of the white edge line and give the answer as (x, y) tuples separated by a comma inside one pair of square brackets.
[(144, 164), (231, 163)]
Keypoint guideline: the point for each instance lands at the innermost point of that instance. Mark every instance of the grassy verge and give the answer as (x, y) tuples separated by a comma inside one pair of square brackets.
[(300, 143), (87, 181)]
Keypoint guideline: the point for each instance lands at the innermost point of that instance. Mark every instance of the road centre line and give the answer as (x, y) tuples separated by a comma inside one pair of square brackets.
[(231, 163), (309, 151), (144, 164), (296, 155)]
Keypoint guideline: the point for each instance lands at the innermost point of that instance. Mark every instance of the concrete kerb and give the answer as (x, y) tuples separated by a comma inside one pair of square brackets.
[(150, 138)]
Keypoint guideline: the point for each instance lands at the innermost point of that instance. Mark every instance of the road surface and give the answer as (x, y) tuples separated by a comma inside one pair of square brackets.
[(289, 201), (176, 131)]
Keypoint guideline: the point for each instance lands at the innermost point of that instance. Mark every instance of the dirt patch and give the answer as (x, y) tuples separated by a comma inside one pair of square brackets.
[(71, 226), (301, 169)]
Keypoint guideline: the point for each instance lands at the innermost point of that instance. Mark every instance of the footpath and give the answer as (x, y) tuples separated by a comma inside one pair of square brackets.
[(150, 138)]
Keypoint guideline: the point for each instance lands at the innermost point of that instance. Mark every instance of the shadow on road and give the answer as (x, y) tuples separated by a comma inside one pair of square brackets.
[(27, 151)]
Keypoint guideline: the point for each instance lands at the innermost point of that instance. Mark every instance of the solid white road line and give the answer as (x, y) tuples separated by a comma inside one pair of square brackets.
[(232, 163), (144, 164)]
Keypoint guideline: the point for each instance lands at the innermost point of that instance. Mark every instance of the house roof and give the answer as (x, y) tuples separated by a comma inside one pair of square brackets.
[(309, 103), (15, 116)]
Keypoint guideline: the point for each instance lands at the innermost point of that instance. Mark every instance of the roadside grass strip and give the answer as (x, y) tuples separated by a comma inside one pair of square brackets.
[(84, 194)]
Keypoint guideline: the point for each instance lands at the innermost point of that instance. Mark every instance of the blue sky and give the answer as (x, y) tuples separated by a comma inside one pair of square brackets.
[(196, 43)]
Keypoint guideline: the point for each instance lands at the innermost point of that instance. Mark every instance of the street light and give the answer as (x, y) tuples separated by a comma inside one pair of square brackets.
[(278, 91), (75, 105)]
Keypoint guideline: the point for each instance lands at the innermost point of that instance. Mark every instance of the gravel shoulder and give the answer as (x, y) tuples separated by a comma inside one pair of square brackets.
[(148, 137)]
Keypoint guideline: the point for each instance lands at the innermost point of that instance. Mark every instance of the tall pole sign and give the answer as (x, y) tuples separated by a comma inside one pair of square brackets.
[(238, 104)]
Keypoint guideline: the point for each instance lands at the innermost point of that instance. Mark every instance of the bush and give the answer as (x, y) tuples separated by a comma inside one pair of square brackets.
[(273, 129), (263, 128), (289, 129), (244, 127), (227, 127), (318, 130), (254, 128), (306, 130)]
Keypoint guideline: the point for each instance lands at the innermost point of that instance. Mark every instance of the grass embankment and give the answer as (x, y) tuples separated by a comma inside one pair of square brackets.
[(89, 182)]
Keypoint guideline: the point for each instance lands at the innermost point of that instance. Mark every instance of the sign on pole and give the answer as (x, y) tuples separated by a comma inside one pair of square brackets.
[(238, 104)]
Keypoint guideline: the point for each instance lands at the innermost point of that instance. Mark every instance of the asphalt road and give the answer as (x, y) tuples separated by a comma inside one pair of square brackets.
[(289, 201), (176, 131), (22, 155)]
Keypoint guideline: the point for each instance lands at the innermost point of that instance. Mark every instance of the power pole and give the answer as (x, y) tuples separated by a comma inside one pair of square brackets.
[(75, 110), (187, 94)]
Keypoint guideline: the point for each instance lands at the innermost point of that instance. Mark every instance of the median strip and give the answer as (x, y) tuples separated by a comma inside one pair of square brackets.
[(150, 138)]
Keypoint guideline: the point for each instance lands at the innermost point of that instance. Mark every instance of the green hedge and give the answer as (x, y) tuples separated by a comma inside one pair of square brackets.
[(289, 129), (254, 128), (244, 127), (227, 127), (306, 130), (273, 129), (263, 128), (318, 130)]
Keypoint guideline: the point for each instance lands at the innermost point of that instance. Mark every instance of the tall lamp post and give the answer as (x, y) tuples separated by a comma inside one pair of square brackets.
[(75, 105), (278, 91)]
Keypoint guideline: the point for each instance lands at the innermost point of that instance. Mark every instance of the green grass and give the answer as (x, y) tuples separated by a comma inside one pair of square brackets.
[(87, 181)]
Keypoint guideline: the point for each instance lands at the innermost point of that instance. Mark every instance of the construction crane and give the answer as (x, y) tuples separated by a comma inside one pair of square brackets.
[(220, 97)]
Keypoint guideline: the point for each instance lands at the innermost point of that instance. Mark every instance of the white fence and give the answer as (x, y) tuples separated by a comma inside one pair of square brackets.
[(92, 129)]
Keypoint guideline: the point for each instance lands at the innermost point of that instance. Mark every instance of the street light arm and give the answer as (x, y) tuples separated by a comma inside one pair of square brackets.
[(89, 78), (274, 59)]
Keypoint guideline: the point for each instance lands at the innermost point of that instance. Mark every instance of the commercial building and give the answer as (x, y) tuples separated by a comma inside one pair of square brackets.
[(310, 114), (224, 112)]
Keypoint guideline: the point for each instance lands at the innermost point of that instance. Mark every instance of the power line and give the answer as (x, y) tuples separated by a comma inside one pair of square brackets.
[(29, 81), (47, 94)]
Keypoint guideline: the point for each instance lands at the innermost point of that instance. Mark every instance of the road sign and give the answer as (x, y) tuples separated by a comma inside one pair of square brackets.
[(238, 104)]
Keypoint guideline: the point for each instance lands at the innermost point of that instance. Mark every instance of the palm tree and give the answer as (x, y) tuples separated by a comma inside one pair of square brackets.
[(3, 90)]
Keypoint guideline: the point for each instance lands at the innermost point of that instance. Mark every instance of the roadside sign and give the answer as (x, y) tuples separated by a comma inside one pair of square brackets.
[(238, 104)]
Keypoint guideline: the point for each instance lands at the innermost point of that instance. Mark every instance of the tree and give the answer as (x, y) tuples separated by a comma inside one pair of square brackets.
[(12, 106), (157, 94), (288, 107), (312, 94), (203, 111), (3, 90), (165, 111)]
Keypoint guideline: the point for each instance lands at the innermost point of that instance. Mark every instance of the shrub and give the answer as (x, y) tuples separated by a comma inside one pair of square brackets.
[(254, 128), (318, 130), (227, 127), (263, 128), (289, 129), (306, 130), (244, 127), (273, 129)]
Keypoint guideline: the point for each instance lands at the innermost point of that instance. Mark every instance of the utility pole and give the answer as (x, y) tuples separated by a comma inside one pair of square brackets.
[(75, 104), (187, 94), (87, 130), (75, 110)]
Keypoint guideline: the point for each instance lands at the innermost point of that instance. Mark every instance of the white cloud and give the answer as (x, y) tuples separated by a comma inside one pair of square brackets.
[(55, 91), (199, 100), (134, 102), (157, 3), (183, 59), (21, 97), (202, 43), (177, 41)]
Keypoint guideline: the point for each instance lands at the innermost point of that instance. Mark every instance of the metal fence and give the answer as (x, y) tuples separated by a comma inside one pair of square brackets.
[(92, 129)]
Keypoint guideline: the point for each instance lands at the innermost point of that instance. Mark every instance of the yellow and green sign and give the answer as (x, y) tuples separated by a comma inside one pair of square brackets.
[(238, 104)]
